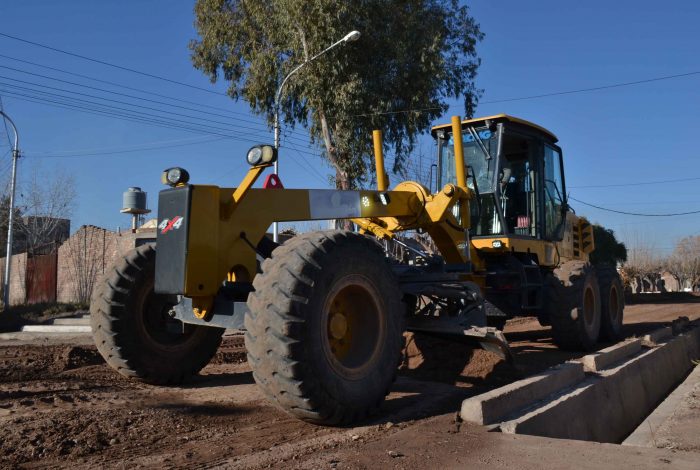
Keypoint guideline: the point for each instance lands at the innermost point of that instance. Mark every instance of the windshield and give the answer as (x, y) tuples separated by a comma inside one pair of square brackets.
[(480, 166), (481, 158)]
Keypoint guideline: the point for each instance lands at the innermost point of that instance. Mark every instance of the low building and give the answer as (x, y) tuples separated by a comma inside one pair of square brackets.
[(70, 273)]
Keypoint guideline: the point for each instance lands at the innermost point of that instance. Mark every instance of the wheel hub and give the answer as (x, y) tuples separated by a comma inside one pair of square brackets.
[(338, 325), (353, 325)]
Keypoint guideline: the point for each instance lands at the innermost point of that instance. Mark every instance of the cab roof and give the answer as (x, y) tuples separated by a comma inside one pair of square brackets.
[(498, 117)]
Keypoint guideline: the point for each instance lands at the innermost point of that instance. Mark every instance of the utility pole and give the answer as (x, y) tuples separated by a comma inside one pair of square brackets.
[(11, 218), (351, 36)]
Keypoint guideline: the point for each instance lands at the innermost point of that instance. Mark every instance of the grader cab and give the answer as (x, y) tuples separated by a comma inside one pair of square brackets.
[(325, 312), (529, 243)]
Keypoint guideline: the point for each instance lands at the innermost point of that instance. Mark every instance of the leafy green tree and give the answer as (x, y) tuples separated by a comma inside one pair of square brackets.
[(412, 55), (607, 249)]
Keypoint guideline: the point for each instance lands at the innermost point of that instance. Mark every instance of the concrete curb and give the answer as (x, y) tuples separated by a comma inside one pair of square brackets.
[(72, 321), (623, 384), (56, 329), (22, 337), (492, 406), (656, 336), (604, 358), (607, 406)]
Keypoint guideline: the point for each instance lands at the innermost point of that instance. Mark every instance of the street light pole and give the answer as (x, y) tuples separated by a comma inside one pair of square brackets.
[(8, 255), (351, 36)]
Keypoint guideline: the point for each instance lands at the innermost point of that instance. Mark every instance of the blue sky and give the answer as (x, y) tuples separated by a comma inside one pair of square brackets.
[(626, 135)]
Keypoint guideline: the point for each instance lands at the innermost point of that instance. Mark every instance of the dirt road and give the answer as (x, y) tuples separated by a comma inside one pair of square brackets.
[(60, 405)]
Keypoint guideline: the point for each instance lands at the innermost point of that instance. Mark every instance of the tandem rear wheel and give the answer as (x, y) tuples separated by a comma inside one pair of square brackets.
[(573, 305), (612, 303)]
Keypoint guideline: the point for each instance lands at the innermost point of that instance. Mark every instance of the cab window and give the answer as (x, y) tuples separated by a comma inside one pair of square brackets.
[(553, 193)]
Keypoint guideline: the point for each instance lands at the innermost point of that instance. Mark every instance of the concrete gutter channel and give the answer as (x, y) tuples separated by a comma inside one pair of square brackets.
[(601, 397), (646, 434)]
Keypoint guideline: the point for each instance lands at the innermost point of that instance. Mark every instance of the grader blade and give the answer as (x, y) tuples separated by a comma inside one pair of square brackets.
[(489, 338)]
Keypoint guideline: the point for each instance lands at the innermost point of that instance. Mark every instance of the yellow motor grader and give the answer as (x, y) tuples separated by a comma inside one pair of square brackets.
[(324, 313)]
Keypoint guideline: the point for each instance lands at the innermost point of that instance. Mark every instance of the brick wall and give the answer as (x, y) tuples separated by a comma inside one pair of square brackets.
[(86, 256), (83, 260)]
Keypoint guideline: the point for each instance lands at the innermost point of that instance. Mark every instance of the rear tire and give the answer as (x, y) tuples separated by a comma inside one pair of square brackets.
[(324, 329), (612, 303), (133, 331), (573, 304)]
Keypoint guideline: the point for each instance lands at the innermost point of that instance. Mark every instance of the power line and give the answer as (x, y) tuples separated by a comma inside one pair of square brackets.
[(118, 115), (584, 90), (121, 85), (308, 165), (248, 121), (150, 75), (543, 95), (120, 148), (71, 154), (103, 108), (115, 101), (224, 176), (633, 213), (403, 111), (110, 65), (656, 203), (123, 112), (635, 184), (260, 131), (102, 62), (92, 107)]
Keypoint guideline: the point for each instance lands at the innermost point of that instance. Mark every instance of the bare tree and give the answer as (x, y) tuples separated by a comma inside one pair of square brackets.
[(419, 167), (684, 262), (46, 202), (644, 263), (86, 259)]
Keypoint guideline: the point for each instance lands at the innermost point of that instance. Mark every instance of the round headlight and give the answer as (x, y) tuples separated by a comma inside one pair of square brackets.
[(175, 176), (254, 156), (261, 155)]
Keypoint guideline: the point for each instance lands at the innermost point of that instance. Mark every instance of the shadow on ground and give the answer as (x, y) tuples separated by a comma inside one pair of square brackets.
[(663, 298), (220, 380)]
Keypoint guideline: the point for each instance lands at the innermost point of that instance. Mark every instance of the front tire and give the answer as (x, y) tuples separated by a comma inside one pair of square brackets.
[(573, 303), (324, 329), (133, 331)]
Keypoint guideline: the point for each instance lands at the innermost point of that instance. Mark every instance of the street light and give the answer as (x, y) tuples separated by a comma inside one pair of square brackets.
[(8, 256), (351, 36)]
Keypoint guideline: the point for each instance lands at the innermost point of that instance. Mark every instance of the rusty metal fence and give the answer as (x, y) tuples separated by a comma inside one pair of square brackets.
[(41, 278)]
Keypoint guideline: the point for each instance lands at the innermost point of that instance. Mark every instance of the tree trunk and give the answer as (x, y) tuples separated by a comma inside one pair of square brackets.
[(342, 181), (341, 177)]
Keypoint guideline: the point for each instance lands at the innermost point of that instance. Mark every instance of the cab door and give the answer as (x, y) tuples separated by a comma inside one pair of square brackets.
[(554, 193)]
